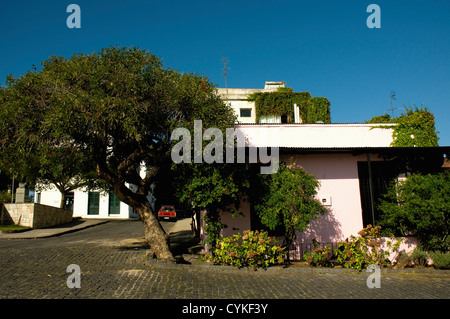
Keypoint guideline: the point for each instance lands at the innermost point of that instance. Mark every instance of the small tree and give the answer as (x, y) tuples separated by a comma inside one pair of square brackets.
[(419, 206), (287, 200), (214, 188)]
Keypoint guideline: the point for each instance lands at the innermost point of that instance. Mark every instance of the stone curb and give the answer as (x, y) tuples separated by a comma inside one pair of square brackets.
[(290, 269), (51, 232)]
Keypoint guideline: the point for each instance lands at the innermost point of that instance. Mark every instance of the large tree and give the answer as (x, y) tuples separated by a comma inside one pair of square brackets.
[(117, 109)]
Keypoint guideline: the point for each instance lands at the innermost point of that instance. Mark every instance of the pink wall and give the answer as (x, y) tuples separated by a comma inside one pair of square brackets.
[(339, 185)]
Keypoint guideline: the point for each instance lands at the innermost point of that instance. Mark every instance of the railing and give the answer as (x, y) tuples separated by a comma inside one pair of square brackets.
[(296, 251)]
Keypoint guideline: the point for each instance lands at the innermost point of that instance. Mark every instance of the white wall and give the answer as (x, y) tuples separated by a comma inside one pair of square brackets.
[(316, 135), (52, 197)]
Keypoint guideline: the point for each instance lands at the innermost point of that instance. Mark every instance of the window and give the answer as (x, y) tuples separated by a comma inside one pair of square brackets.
[(270, 119), (246, 112)]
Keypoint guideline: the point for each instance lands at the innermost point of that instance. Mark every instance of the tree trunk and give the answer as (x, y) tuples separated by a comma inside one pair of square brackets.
[(156, 237)]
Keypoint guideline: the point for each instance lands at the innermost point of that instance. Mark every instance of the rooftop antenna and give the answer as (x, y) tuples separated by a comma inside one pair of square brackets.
[(225, 71), (392, 97)]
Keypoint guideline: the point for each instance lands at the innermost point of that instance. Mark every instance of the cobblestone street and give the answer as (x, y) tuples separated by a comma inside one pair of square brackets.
[(122, 272), (114, 269)]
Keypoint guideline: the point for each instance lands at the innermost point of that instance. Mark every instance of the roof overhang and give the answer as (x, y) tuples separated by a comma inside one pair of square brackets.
[(389, 151)]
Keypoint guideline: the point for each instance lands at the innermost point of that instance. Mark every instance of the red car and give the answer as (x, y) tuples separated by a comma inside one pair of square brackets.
[(167, 212)]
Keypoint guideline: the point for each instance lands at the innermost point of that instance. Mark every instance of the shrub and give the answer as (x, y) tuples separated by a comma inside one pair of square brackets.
[(419, 257), (440, 260), (359, 252), (419, 206), (319, 257), (253, 249), (404, 260)]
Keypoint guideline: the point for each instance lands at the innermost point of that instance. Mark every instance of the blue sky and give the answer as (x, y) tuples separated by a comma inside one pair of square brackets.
[(320, 46)]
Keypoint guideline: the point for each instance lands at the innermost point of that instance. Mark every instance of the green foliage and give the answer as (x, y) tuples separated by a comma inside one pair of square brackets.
[(357, 252), (286, 200), (254, 249), (213, 188), (5, 196), (419, 206), (414, 128), (115, 109), (419, 257), (281, 102), (320, 256), (440, 260)]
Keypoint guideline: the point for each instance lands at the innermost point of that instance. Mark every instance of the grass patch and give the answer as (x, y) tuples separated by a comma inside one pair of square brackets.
[(13, 228)]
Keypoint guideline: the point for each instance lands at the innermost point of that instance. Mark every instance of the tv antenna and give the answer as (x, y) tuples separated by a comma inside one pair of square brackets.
[(225, 68), (392, 97)]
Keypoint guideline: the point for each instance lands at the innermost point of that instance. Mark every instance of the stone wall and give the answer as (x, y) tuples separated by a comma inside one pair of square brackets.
[(37, 215)]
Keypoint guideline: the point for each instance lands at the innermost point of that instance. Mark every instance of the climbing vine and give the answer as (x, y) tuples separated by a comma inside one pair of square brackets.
[(281, 102), (415, 127)]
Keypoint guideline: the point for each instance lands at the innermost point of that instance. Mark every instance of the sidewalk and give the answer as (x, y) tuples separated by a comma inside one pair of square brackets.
[(180, 233), (75, 225), (182, 238)]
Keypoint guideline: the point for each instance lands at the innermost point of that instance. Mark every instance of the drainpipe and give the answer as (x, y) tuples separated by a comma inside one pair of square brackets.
[(372, 200), (12, 190)]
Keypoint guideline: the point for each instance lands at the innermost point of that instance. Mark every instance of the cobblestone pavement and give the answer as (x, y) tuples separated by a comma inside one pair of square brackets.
[(121, 271)]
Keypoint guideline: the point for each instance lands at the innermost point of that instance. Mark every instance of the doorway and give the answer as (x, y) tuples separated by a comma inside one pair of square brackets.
[(373, 184)]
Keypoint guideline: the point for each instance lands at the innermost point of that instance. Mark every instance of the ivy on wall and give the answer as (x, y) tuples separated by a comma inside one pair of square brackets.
[(281, 102), (414, 128)]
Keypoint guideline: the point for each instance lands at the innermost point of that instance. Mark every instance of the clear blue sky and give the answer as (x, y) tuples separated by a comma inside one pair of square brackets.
[(320, 46)]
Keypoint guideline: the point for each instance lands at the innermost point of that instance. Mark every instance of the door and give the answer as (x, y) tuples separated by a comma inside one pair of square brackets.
[(93, 203), (114, 204), (69, 201), (373, 185)]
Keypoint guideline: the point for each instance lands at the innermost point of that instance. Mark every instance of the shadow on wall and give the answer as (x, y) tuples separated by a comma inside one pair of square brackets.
[(326, 230)]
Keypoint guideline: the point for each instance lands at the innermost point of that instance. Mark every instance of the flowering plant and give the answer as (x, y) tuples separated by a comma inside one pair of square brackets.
[(252, 249)]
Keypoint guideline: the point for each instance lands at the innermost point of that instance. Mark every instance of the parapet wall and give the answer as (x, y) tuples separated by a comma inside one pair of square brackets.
[(37, 215)]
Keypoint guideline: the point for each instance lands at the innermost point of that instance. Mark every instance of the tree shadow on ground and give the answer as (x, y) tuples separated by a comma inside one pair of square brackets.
[(181, 241)]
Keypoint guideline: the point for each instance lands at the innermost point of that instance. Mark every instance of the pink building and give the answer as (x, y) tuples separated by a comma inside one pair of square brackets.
[(352, 162)]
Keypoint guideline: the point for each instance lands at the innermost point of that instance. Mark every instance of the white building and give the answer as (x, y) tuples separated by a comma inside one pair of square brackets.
[(88, 204), (237, 99)]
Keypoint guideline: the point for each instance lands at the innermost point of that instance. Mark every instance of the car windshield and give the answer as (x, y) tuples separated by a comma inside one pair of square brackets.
[(167, 209)]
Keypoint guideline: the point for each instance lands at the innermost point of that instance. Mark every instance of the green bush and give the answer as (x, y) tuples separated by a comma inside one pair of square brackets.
[(360, 252), (419, 257), (319, 257), (254, 249), (356, 252), (440, 260), (419, 206)]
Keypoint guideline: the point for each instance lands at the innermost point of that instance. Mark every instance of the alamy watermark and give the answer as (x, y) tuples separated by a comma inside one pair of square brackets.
[(74, 279), (74, 19), (374, 280), (374, 19), (213, 151)]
